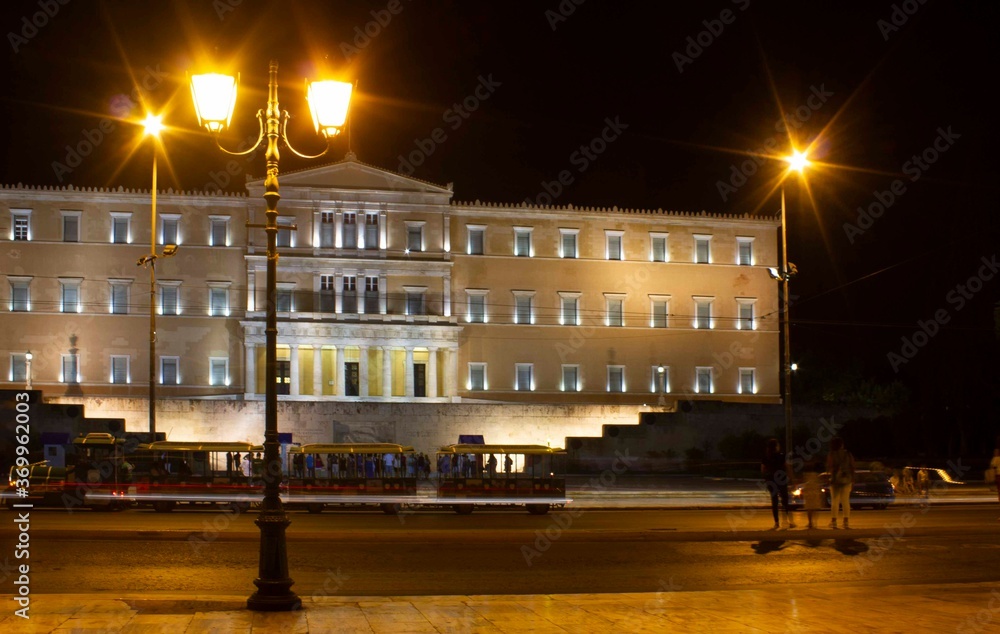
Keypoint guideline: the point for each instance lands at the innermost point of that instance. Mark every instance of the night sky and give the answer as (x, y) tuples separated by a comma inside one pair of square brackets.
[(894, 99)]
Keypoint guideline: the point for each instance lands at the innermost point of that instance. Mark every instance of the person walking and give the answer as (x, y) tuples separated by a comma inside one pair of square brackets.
[(776, 480), (840, 466), (995, 465)]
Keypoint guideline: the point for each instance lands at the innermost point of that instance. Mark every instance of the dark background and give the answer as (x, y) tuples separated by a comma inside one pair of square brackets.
[(891, 87)]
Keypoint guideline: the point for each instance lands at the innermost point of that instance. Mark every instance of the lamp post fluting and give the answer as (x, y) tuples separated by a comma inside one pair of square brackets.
[(215, 97)]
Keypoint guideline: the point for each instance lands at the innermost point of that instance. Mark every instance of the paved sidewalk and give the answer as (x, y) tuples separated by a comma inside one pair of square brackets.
[(961, 608)]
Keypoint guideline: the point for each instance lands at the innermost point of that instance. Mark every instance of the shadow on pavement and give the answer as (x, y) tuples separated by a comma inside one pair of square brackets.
[(764, 547)]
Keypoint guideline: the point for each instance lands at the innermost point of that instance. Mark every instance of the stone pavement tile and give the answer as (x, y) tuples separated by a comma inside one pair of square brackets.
[(290, 622), (57, 604), (320, 621), (37, 623), (216, 626), (107, 622), (158, 623)]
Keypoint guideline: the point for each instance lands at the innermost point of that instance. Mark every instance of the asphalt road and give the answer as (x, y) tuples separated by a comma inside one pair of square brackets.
[(369, 553)]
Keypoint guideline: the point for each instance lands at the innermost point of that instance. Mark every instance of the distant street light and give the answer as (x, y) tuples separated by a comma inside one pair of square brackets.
[(153, 125), (214, 99)]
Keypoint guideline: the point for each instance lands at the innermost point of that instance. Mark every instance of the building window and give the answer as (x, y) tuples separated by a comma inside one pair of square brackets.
[(748, 381), (219, 226), (415, 302), (659, 309), (70, 369), (20, 225), (704, 383), (284, 238), (614, 244), (744, 251), (616, 378), (371, 231), (523, 313), (119, 297), (522, 242), (350, 294), (327, 227), (218, 301), (703, 312), (568, 244), (570, 312), (371, 295), (349, 231), (660, 379), (169, 298), (615, 310), (703, 249), (658, 247), (170, 372), (283, 302), (477, 377), (745, 321), (477, 306), (18, 367), (218, 371), (69, 296), (119, 369), (327, 294), (71, 226), (20, 294), (169, 234), (414, 236), (525, 381), (475, 239), (121, 232), (571, 378)]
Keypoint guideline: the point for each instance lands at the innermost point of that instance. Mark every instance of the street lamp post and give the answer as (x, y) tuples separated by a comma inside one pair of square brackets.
[(152, 126), (214, 98), (796, 163), (27, 370)]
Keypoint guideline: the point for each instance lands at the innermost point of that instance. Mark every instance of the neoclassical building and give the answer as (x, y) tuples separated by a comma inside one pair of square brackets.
[(388, 290)]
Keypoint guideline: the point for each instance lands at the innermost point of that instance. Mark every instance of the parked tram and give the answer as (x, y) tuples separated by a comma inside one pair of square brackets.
[(97, 477), (168, 473), (532, 475), (351, 473)]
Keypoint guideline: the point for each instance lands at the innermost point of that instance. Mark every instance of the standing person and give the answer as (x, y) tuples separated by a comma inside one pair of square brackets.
[(491, 466), (508, 462), (776, 480), (840, 466), (310, 465), (248, 468), (389, 465), (812, 491), (995, 465), (229, 464)]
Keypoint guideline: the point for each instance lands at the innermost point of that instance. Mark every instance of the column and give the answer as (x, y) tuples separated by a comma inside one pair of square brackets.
[(317, 370), (432, 373), (363, 371), (251, 289), (338, 224), (451, 372), (409, 372), (383, 223), (315, 230), (250, 369), (447, 295), (386, 371), (383, 284), (447, 234), (338, 371), (338, 293), (293, 361)]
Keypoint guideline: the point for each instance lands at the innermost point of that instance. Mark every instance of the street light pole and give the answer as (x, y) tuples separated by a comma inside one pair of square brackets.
[(214, 97), (786, 337)]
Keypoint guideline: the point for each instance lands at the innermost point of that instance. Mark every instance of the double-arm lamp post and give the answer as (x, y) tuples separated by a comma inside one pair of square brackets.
[(214, 99), (153, 125), (797, 162)]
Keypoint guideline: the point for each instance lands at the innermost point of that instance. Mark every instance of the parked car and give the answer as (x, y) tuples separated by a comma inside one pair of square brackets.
[(871, 488)]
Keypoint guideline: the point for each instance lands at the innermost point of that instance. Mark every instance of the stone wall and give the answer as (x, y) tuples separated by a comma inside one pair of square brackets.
[(426, 426)]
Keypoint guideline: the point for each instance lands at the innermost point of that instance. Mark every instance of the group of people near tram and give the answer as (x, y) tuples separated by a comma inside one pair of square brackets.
[(360, 465), (473, 465)]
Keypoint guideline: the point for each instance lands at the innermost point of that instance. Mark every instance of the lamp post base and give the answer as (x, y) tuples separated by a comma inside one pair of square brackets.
[(273, 585)]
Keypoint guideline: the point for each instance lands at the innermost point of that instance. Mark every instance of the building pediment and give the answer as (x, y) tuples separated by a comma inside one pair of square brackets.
[(353, 175)]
